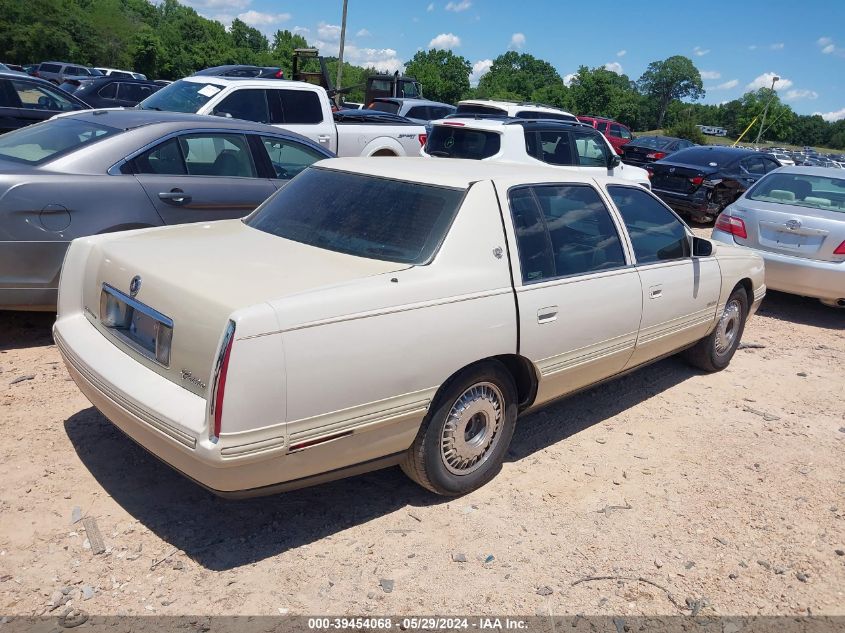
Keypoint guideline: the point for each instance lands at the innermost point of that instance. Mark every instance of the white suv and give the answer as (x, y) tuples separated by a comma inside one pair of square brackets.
[(569, 144), (518, 110)]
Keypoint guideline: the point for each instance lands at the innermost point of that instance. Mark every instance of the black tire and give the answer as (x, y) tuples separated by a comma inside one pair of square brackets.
[(436, 460), (714, 352)]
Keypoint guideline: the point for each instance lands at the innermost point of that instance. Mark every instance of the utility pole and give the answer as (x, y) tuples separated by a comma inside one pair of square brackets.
[(765, 110), (338, 96)]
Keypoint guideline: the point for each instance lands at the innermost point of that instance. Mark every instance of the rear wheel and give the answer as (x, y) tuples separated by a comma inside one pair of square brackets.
[(714, 352), (462, 442)]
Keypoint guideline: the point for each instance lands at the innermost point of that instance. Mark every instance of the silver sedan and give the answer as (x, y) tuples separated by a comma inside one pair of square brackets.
[(111, 170), (795, 218)]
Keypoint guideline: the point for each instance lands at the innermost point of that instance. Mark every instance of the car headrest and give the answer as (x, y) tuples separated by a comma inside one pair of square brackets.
[(782, 194)]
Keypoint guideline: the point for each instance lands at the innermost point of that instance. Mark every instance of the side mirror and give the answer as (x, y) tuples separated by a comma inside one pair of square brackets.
[(614, 161), (701, 247)]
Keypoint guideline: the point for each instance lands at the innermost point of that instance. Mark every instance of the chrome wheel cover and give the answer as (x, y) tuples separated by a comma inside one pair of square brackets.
[(472, 428), (728, 327)]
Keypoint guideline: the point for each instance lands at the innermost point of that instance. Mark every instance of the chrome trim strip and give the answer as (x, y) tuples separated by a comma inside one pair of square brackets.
[(359, 422), (121, 399), (253, 447), (561, 363), (144, 309)]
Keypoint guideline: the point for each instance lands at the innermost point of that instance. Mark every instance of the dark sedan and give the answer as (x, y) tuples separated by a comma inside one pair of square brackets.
[(242, 70), (701, 181), (25, 100), (113, 91), (648, 149), (110, 170)]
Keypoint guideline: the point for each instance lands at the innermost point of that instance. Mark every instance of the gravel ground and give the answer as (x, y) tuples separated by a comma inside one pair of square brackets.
[(725, 492)]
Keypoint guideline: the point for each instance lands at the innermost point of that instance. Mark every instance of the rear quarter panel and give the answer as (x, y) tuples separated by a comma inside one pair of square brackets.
[(737, 264), (366, 140)]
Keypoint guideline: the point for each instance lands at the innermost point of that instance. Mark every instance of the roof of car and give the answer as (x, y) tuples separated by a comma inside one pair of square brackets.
[(459, 173), (211, 69), (512, 104), (259, 82), (131, 118), (719, 153), (493, 122)]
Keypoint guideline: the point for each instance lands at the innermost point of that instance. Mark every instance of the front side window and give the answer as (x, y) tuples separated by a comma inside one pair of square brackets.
[(249, 105), (447, 141), (556, 148), (616, 131), (754, 165), (563, 230), (624, 132), (164, 159), (361, 215), (289, 157), (591, 150), (39, 143), (656, 233), (38, 97), (133, 92)]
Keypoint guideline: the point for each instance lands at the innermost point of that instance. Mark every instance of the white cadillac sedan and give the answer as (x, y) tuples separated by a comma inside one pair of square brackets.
[(374, 313)]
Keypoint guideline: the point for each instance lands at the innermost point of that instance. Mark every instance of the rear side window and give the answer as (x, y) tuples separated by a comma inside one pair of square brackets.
[(591, 150), (49, 68), (361, 215), (38, 97), (564, 230), (109, 91), (656, 234), (300, 106), (556, 148), (472, 108), (446, 141), (248, 104), (133, 92)]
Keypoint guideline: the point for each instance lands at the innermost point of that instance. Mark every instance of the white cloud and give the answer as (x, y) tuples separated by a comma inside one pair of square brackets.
[(479, 69), (208, 5), (733, 83), (330, 32), (828, 47), (827, 50), (430, 7), (384, 60), (445, 41), (777, 47), (568, 79), (793, 95), (517, 40), (824, 41), (836, 115), (621, 53), (710, 74), (614, 67), (258, 19), (363, 33), (224, 18), (457, 7), (700, 52), (753, 47), (301, 30), (765, 81)]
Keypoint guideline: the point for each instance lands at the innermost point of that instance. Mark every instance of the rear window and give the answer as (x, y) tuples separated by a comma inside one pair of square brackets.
[(39, 143), (446, 141), (384, 106), (650, 142), (802, 190), (705, 157), (49, 68), (361, 215), (472, 108), (181, 96)]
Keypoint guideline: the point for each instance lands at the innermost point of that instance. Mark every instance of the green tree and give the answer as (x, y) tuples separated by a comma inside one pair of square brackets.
[(284, 43), (779, 117), (600, 91), (672, 78), (246, 37), (443, 75), (516, 76)]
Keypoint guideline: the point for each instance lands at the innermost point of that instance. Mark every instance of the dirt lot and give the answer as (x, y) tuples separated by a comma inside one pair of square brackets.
[(726, 489)]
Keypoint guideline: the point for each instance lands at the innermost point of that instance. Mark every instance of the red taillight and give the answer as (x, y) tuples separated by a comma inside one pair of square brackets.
[(697, 181), (422, 138), (220, 371), (732, 225), (656, 155), (280, 74), (840, 250), (452, 123)]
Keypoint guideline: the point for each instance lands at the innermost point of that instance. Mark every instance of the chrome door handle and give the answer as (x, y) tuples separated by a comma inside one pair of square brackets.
[(547, 315), (323, 138), (655, 292), (174, 196)]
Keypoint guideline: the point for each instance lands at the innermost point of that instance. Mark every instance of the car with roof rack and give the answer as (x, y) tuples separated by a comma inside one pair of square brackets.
[(559, 143), (374, 313)]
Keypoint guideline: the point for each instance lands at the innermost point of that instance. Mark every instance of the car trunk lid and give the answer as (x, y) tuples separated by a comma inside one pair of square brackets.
[(790, 230), (678, 177), (192, 278)]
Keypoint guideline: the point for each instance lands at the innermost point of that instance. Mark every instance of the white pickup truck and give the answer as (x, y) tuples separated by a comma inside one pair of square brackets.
[(293, 105)]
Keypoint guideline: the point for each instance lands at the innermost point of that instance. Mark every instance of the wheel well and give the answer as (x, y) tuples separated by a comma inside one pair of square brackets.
[(524, 377), (383, 152), (749, 290)]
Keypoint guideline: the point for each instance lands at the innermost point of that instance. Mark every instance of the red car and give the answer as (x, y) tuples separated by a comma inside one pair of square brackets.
[(615, 132)]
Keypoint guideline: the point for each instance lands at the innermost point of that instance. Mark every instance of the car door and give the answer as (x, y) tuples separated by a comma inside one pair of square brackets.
[(201, 176), (679, 292), (579, 299), (301, 111), (285, 158), (592, 153)]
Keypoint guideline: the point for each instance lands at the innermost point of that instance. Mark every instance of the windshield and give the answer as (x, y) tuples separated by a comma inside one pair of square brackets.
[(802, 190), (181, 96), (650, 142), (39, 143), (361, 215), (446, 141)]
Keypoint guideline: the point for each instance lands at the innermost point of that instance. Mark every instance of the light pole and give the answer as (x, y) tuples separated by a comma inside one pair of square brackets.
[(765, 110), (338, 97)]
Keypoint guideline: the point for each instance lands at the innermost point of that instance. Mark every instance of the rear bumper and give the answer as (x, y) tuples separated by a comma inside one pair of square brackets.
[(797, 275), (170, 422), (694, 204)]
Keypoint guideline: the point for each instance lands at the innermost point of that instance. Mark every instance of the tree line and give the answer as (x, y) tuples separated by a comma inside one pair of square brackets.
[(169, 40)]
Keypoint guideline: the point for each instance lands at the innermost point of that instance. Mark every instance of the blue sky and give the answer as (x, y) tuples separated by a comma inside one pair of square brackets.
[(737, 45)]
